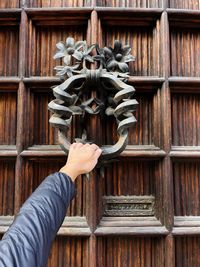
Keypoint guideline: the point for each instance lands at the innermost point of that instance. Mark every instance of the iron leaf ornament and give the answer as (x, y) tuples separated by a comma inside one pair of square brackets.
[(113, 96)]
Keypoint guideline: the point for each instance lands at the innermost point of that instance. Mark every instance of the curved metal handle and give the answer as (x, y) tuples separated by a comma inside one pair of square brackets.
[(64, 104)]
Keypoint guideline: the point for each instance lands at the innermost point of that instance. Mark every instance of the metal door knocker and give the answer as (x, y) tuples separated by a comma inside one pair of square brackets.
[(113, 96)]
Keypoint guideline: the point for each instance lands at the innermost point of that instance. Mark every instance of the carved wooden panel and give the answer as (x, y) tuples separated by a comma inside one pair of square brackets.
[(119, 179), (58, 3), (130, 3), (185, 119), (8, 117), (132, 252), (186, 177), (40, 131), (142, 133), (187, 251), (9, 45), (186, 4), (69, 252), (9, 4), (185, 60), (7, 186), (43, 45), (144, 41)]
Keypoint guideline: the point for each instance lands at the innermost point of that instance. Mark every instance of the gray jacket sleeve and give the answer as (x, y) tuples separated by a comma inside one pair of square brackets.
[(28, 241)]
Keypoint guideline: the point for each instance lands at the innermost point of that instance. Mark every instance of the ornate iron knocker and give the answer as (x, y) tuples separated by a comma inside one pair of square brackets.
[(114, 95)]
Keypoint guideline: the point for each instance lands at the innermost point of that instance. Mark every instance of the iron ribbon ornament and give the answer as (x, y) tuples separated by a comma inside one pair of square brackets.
[(85, 68)]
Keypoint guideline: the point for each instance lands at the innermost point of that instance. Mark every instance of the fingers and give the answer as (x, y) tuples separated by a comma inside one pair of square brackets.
[(98, 153), (76, 145), (92, 148), (79, 145)]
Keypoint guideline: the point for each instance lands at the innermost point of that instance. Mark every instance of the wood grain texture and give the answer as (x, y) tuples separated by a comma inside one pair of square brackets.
[(8, 117), (69, 252), (7, 187), (186, 177), (43, 47), (144, 42), (36, 170), (185, 59), (9, 3), (122, 175), (58, 3), (9, 45), (185, 4), (130, 252), (40, 130), (187, 251), (130, 3), (185, 119)]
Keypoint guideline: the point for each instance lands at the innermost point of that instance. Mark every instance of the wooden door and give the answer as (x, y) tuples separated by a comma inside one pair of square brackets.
[(160, 166)]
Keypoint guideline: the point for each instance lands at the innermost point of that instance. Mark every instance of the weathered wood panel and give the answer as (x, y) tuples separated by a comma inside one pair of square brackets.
[(7, 187), (131, 177), (43, 47), (130, 252), (185, 4), (69, 252), (186, 176), (130, 3), (9, 45), (40, 131), (142, 131), (144, 44), (185, 52), (9, 3), (58, 3), (8, 117), (187, 251), (185, 119)]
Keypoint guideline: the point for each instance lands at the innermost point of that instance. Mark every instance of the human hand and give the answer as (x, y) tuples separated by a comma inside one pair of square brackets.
[(81, 159)]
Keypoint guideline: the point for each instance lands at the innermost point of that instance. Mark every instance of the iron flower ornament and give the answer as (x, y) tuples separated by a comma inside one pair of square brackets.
[(113, 96)]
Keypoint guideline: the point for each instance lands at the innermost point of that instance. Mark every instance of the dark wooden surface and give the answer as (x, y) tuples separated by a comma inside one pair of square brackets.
[(163, 155)]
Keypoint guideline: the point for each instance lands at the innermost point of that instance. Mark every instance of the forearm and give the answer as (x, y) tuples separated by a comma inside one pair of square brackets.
[(38, 221), (28, 241)]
